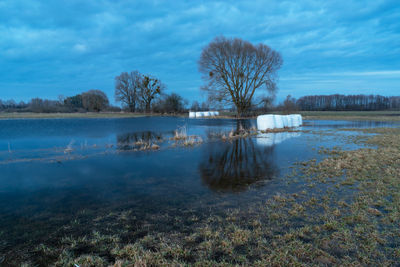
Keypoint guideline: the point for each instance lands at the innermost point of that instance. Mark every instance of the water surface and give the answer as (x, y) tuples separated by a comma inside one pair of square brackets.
[(57, 172)]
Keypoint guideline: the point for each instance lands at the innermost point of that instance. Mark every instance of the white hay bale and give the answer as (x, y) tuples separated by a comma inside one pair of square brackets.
[(278, 121), (206, 114), (289, 121), (285, 121), (265, 122), (295, 121), (299, 119), (199, 114), (216, 113), (192, 114)]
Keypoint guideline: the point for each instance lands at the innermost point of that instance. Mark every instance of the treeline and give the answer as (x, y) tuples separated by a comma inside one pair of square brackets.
[(348, 102), (90, 101), (94, 101)]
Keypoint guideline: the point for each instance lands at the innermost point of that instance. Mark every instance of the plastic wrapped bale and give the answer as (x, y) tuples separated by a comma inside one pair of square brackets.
[(289, 121), (206, 114), (265, 122), (199, 114), (213, 113), (300, 119), (295, 121), (192, 114), (285, 121), (216, 113), (278, 121)]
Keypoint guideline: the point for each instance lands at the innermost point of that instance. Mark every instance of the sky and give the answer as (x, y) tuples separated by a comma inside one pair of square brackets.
[(52, 48)]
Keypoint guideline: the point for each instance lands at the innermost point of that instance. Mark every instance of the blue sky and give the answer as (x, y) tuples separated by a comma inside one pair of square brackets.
[(51, 48)]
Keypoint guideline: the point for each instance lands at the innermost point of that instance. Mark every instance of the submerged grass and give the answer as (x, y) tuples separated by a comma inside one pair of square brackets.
[(346, 214)]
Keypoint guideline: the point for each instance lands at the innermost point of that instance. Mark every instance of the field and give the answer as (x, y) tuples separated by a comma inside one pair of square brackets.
[(352, 115), (311, 115)]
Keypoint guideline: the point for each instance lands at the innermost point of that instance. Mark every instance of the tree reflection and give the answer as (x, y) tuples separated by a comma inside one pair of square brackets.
[(233, 166), (130, 141)]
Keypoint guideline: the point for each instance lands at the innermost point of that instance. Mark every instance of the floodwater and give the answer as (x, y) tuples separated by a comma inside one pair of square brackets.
[(59, 172)]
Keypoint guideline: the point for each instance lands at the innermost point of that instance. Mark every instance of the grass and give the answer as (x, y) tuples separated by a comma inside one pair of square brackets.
[(351, 115), (346, 214), (309, 115)]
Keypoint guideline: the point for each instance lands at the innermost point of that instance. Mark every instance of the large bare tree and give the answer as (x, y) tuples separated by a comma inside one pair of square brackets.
[(150, 88), (234, 69), (127, 86)]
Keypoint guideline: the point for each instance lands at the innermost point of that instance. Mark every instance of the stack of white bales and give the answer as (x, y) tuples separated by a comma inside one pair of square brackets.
[(269, 122), (200, 114)]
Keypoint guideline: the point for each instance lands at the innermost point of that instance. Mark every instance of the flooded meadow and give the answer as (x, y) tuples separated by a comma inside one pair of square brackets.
[(156, 191)]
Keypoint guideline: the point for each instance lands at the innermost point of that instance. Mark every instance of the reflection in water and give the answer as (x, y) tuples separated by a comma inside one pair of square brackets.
[(135, 140), (233, 166), (270, 139)]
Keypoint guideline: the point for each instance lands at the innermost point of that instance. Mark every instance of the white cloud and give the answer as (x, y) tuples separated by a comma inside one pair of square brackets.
[(81, 48)]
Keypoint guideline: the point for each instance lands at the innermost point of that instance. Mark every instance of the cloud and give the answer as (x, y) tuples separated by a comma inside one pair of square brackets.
[(64, 47), (81, 48)]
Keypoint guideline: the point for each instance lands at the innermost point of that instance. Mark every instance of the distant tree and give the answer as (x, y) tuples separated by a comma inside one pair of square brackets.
[(150, 88), (234, 69), (74, 102), (43, 105), (195, 106), (127, 86), (267, 103), (348, 102), (94, 100), (174, 103), (289, 104), (205, 106)]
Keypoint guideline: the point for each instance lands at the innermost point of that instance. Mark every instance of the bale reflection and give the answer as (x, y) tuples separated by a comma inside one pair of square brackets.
[(233, 166)]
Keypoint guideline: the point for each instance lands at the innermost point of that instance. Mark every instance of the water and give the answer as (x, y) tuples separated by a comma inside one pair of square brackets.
[(55, 173)]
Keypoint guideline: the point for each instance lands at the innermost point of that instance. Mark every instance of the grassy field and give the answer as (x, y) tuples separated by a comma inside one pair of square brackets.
[(308, 115), (351, 115)]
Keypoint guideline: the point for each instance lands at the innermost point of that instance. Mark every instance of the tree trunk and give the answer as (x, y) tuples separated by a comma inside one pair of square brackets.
[(131, 107), (148, 107)]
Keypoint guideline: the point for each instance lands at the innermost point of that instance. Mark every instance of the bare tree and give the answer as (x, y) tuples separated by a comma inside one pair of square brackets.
[(234, 69), (126, 88), (289, 105), (150, 88), (195, 106)]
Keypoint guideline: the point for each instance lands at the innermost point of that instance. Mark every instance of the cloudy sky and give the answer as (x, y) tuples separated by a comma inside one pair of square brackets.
[(51, 48)]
